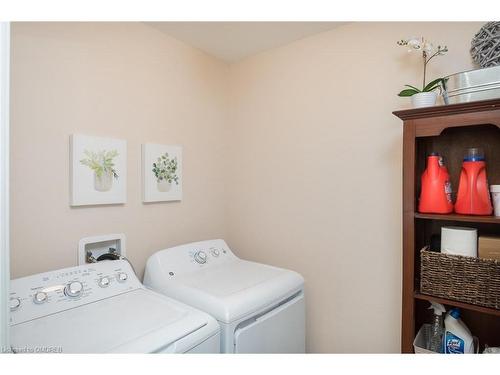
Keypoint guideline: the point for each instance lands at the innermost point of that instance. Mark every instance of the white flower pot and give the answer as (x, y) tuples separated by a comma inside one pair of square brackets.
[(163, 186), (424, 99), (104, 182)]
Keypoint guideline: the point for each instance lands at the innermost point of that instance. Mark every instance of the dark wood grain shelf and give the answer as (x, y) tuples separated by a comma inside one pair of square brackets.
[(458, 217), (448, 130), (462, 305), (449, 110)]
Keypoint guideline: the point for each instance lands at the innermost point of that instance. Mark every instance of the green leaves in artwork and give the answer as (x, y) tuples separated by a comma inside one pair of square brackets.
[(101, 162), (165, 168)]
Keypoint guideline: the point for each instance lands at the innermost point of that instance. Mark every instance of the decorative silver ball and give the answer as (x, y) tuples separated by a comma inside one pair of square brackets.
[(485, 46)]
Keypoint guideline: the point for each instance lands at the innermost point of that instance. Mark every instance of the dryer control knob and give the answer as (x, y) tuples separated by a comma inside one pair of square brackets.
[(200, 257), (14, 304), (40, 297), (103, 282), (215, 252), (122, 277), (73, 289)]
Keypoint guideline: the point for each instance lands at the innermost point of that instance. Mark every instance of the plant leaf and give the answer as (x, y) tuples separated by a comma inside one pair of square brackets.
[(432, 85), (408, 92), (413, 87), (432, 88)]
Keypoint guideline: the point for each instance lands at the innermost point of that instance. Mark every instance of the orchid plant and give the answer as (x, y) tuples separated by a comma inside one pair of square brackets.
[(428, 53)]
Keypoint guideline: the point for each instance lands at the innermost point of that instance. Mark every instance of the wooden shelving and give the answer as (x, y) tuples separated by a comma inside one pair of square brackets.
[(449, 302), (449, 130), (457, 217)]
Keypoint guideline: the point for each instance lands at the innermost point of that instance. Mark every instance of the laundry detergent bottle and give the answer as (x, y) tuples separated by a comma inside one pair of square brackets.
[(457, 337), (473, 194), (435, 196)]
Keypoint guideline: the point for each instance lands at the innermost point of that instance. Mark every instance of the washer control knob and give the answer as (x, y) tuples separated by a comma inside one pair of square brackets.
[(40, 297), (122, 277), (215, 252), (103, 282), (200, 257), (14, 304), (73, 289)]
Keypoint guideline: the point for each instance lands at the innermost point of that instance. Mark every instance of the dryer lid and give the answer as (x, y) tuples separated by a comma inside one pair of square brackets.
[(138, 321), (234, 289), (231, 278)]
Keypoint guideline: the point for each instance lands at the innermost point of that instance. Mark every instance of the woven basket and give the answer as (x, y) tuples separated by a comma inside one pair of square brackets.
[(471, 280)]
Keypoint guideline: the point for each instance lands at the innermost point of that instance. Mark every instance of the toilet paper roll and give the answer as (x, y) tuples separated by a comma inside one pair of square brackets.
[(459, 241)]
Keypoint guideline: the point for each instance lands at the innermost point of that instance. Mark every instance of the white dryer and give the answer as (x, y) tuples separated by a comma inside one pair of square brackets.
[(102, 308), (260, 308)]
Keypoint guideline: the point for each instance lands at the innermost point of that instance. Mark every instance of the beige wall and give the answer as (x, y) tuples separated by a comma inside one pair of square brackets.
[(292, 155), (117, 80), (316, 173)]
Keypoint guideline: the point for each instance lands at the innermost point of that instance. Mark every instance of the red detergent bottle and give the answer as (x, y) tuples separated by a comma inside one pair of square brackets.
[(435, 196), (473, 194)]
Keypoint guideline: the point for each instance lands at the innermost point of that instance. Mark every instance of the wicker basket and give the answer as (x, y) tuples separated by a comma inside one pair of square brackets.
[(465, 279)]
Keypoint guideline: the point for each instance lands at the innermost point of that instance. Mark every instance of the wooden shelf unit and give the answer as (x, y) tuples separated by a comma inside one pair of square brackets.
[(458, 217), (449, 130), (449, 302)]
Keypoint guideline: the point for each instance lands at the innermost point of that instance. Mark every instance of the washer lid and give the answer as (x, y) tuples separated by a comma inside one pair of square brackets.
[(234, 289), (138, 321)]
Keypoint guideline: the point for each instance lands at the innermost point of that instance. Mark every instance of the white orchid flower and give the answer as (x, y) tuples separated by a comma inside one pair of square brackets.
[(428, 48), (414, 44)]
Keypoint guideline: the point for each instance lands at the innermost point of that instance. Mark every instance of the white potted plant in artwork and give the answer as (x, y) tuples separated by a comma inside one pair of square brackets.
[(103, 166), (165, 171), (427, 95)]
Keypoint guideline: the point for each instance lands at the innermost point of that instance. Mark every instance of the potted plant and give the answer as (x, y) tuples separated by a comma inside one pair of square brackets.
[(427, 95), (103, 166), (165, 171)]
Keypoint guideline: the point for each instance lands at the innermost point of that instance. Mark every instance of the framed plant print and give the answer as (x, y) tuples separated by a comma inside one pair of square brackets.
[(98, 172), (161, 173)]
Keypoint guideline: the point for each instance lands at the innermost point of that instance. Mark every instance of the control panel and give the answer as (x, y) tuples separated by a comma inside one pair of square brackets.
[(206, 252), (193, 256), (48, 293)]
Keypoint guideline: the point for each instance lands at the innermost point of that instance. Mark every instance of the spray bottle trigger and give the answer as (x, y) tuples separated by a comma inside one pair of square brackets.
[(438, 308)]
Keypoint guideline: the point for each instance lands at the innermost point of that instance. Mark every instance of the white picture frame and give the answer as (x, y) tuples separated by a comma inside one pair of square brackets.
[(98, 170), (161, 173)]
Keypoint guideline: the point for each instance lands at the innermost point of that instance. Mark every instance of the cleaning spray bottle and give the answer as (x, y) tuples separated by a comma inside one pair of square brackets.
[(435, 342), (457, 337)]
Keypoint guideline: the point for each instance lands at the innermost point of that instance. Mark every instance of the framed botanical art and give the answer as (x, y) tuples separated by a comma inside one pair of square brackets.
[(161, 173), (98, 170)]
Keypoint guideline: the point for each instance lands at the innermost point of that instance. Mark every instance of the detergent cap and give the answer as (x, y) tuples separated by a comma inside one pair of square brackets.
[(455, 312), (474, 154), (438, 308)]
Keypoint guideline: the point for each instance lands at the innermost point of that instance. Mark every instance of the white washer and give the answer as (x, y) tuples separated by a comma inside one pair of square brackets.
[(100, 308), (260, 308)]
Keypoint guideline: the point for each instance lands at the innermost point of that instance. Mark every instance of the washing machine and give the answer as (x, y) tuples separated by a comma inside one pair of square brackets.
[(103, 308), (260, 308)]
